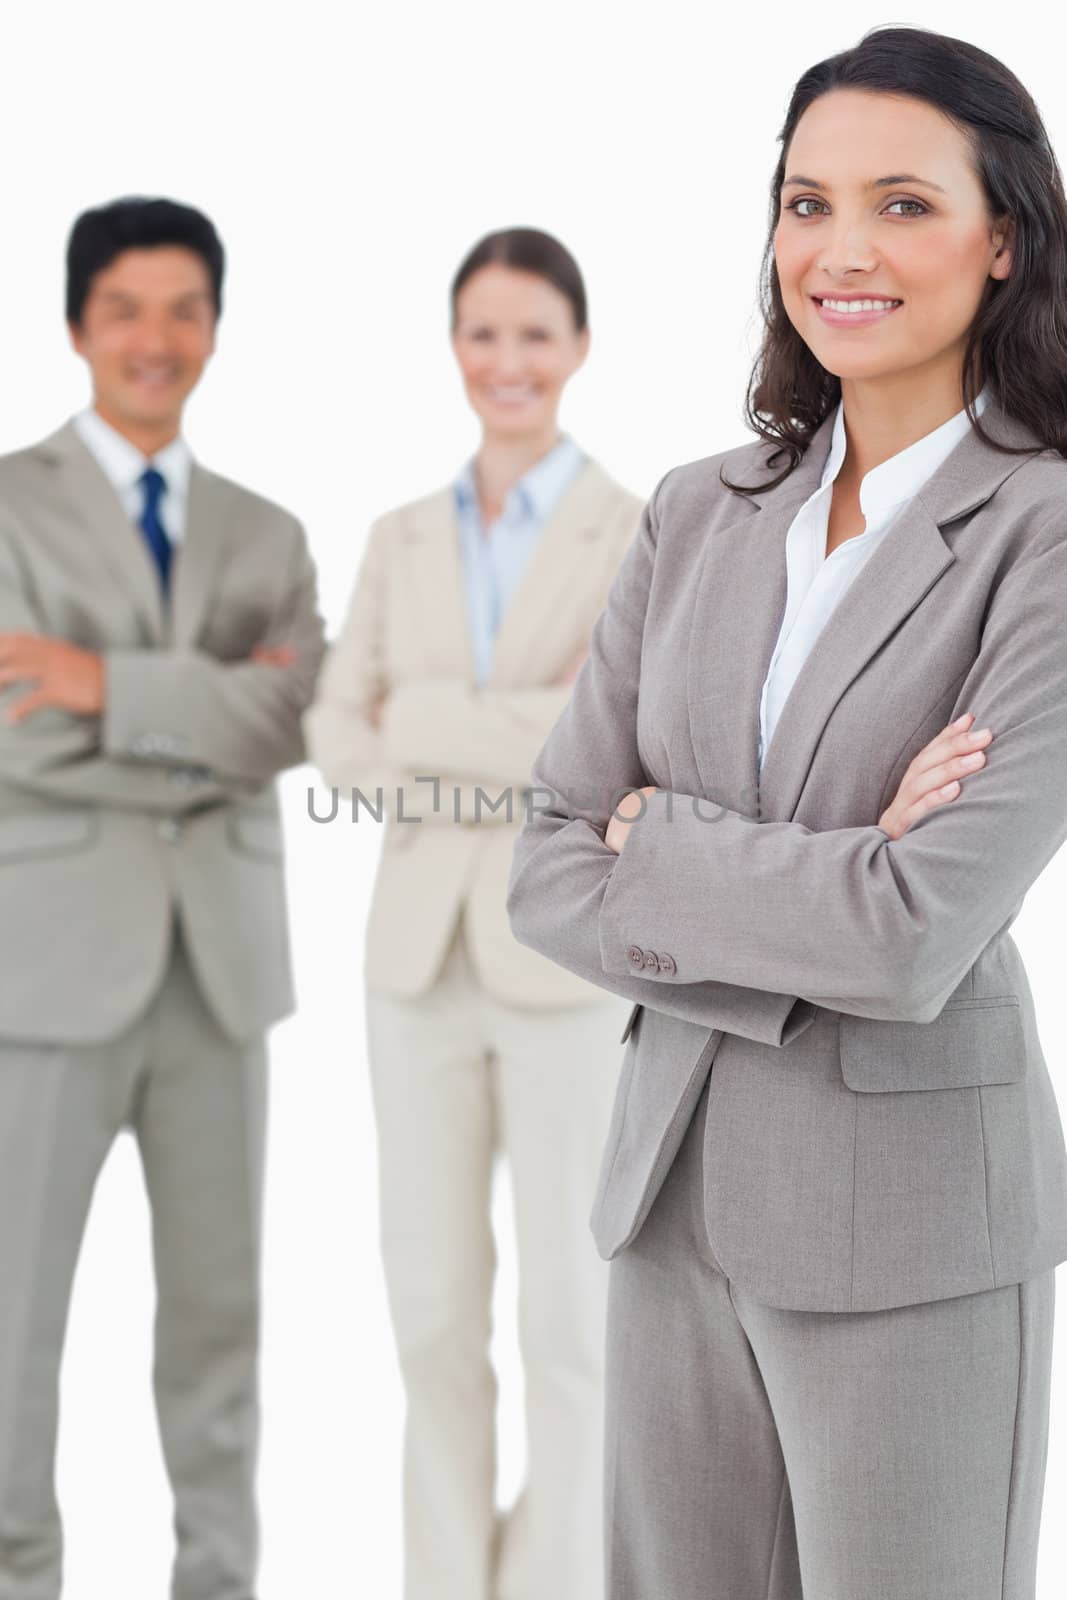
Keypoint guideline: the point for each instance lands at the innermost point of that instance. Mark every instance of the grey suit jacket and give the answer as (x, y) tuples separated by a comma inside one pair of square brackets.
[(882, 1129), (107, 822)]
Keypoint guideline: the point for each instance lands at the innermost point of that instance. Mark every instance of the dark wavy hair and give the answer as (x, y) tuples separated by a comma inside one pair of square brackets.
[(1017, 344), (527, 250)]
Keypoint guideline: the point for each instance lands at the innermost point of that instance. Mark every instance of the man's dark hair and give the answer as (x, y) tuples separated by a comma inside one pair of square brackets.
[(137, 222)]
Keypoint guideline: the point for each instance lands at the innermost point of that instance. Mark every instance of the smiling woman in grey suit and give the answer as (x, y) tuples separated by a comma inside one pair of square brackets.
[(835, 1186), (471, 614)]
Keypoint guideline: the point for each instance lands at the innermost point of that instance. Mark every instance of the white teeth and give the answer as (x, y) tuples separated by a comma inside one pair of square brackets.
[(849, 306)]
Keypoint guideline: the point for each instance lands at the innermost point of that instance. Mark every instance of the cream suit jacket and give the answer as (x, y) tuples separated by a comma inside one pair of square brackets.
[(167, 798), (405, 636), (881, 1126)]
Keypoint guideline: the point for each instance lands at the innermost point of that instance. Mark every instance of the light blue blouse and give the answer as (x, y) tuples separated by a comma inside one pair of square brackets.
[(495, 559)]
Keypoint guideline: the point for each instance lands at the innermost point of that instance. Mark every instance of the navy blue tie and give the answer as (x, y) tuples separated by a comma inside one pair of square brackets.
[(154, 485)]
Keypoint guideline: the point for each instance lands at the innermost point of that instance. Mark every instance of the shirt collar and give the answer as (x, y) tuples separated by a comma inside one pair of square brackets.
[(121, 460), (902, 475), (539, 488)]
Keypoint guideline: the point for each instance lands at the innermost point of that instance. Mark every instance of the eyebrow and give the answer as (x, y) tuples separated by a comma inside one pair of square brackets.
[(876, 183), (131, 295)]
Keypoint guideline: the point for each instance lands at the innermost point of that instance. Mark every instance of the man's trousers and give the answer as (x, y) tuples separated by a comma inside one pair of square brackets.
[(196, 1103), (755, 1453)]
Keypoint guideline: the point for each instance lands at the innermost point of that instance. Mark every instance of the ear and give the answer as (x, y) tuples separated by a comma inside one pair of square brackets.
[(584, 340), (1004, 238), (76, 339)]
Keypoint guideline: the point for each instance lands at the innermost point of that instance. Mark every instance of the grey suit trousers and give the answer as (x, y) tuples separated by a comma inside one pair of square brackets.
[(755, 1453), (196, 1103)]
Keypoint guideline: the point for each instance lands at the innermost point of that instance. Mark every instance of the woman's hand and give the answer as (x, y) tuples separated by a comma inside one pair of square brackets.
[(574, 666), (628, 809), (933, 778)]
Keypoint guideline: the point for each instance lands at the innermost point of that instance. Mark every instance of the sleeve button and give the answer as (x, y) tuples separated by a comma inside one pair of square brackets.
[(651, 962), (667, 964), (636, 955)]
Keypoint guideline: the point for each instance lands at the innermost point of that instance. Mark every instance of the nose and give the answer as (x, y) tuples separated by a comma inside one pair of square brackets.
[(153, 338), (847, 247), (510, 359)]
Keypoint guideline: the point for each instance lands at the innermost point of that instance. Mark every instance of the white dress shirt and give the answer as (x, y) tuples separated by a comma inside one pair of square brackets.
[(816, 581), (122, 464)]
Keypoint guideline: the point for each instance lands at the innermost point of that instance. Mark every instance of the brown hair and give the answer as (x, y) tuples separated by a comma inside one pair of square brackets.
[(527, 250), (1017, 344)]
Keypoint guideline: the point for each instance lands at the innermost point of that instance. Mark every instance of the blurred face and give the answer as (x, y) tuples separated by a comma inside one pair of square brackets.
[(881, 203), (516, 345), (147, 330)]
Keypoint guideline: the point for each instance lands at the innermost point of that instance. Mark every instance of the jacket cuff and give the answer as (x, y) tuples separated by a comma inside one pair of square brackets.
[(635, 910), (137, 718)]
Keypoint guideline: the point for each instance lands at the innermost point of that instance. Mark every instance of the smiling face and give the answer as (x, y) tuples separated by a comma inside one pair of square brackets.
[(517, 345), (881, 202), (147, 330)]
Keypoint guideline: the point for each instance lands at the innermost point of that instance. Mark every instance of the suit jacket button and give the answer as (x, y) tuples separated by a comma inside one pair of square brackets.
[(667, 964), (651, 962), (636, 955)]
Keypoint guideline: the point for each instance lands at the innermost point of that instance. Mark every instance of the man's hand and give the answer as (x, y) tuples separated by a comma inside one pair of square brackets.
[(278, 655), (66, 676), (629, 808)]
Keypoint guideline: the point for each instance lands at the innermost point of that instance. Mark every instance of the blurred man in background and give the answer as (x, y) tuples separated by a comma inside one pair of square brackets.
[(159, 640)]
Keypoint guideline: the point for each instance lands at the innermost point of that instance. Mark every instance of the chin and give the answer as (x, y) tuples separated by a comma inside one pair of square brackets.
[(153, 408), (854, 370), (520, 421)]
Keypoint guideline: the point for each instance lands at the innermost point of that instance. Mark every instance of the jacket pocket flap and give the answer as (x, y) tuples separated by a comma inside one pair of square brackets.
[(970, 1042), (258, 835), (45, 833), (631, 1019)]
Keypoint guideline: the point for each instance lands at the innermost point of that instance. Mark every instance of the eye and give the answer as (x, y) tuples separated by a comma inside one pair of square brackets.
[(921, 211), (803, 200), (538, 335)]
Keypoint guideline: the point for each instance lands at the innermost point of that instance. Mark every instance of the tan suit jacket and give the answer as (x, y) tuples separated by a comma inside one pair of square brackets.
[(165, 799), (406, 637)]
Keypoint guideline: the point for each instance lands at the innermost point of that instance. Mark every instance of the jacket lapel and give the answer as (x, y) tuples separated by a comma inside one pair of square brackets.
[(739, 603), (86, 492), (435, 573), (556, 578), (741, 600), (209, 526)]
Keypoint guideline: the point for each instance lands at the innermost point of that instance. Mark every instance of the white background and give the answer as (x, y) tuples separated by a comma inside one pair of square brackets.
[(349, 155)]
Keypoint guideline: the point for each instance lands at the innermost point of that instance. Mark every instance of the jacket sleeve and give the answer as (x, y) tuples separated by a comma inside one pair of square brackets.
[(386, 762), (240, 719), (58, 755), (561, 867), (849, 918), (486, 735)]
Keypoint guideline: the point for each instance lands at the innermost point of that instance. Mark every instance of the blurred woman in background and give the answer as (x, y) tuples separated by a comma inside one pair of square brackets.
[(469, 623)]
